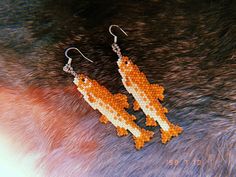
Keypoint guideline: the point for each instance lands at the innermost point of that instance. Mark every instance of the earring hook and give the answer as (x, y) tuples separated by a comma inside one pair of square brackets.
[(70, 59), (115, 37), (68, 68)]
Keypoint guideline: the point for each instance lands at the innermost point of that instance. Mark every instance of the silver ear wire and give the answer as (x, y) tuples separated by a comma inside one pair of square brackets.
[(70, 59), (115, 37), (68, 68), (115, 46)]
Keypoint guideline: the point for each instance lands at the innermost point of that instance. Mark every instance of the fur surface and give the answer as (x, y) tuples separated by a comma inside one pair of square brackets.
[(186, 46)]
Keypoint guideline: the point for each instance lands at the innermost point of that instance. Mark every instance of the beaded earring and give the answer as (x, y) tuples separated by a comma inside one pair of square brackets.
[(112, 107), (146, 95)]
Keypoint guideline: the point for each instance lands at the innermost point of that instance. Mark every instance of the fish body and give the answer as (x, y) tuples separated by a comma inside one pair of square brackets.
[(112, 107), (146, 97)]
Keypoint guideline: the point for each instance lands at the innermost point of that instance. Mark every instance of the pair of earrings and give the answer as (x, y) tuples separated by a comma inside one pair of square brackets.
[(112, 107)]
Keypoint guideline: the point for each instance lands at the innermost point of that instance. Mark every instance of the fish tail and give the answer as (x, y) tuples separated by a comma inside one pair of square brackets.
[(173, 131), (144, 137)]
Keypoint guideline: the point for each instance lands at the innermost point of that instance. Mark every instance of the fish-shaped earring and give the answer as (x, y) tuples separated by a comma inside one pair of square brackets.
[(112, 107), (146, 95)]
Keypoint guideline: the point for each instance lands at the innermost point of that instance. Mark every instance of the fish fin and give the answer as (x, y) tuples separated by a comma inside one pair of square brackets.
[(173, 131), (133, 117), (145, 136), (136, 106), (122, 99), (165, 110), (150, 121), (121, 131), (158, 91), (103, 119)]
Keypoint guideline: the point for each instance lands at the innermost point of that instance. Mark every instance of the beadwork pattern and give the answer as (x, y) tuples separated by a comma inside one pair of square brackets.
[(112, 108), (146, 97)]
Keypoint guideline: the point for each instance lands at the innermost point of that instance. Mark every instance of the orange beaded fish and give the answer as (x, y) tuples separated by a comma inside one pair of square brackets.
[(112, 108), (146, 96)]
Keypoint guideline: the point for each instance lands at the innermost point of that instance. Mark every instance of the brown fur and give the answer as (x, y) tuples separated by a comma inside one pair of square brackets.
[(186, 46)]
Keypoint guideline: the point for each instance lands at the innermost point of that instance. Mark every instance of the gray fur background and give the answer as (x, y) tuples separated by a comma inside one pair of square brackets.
[(186, 46)]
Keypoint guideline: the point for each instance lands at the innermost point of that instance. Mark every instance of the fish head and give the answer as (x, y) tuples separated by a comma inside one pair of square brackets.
[(126, 65), (83, 82)]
